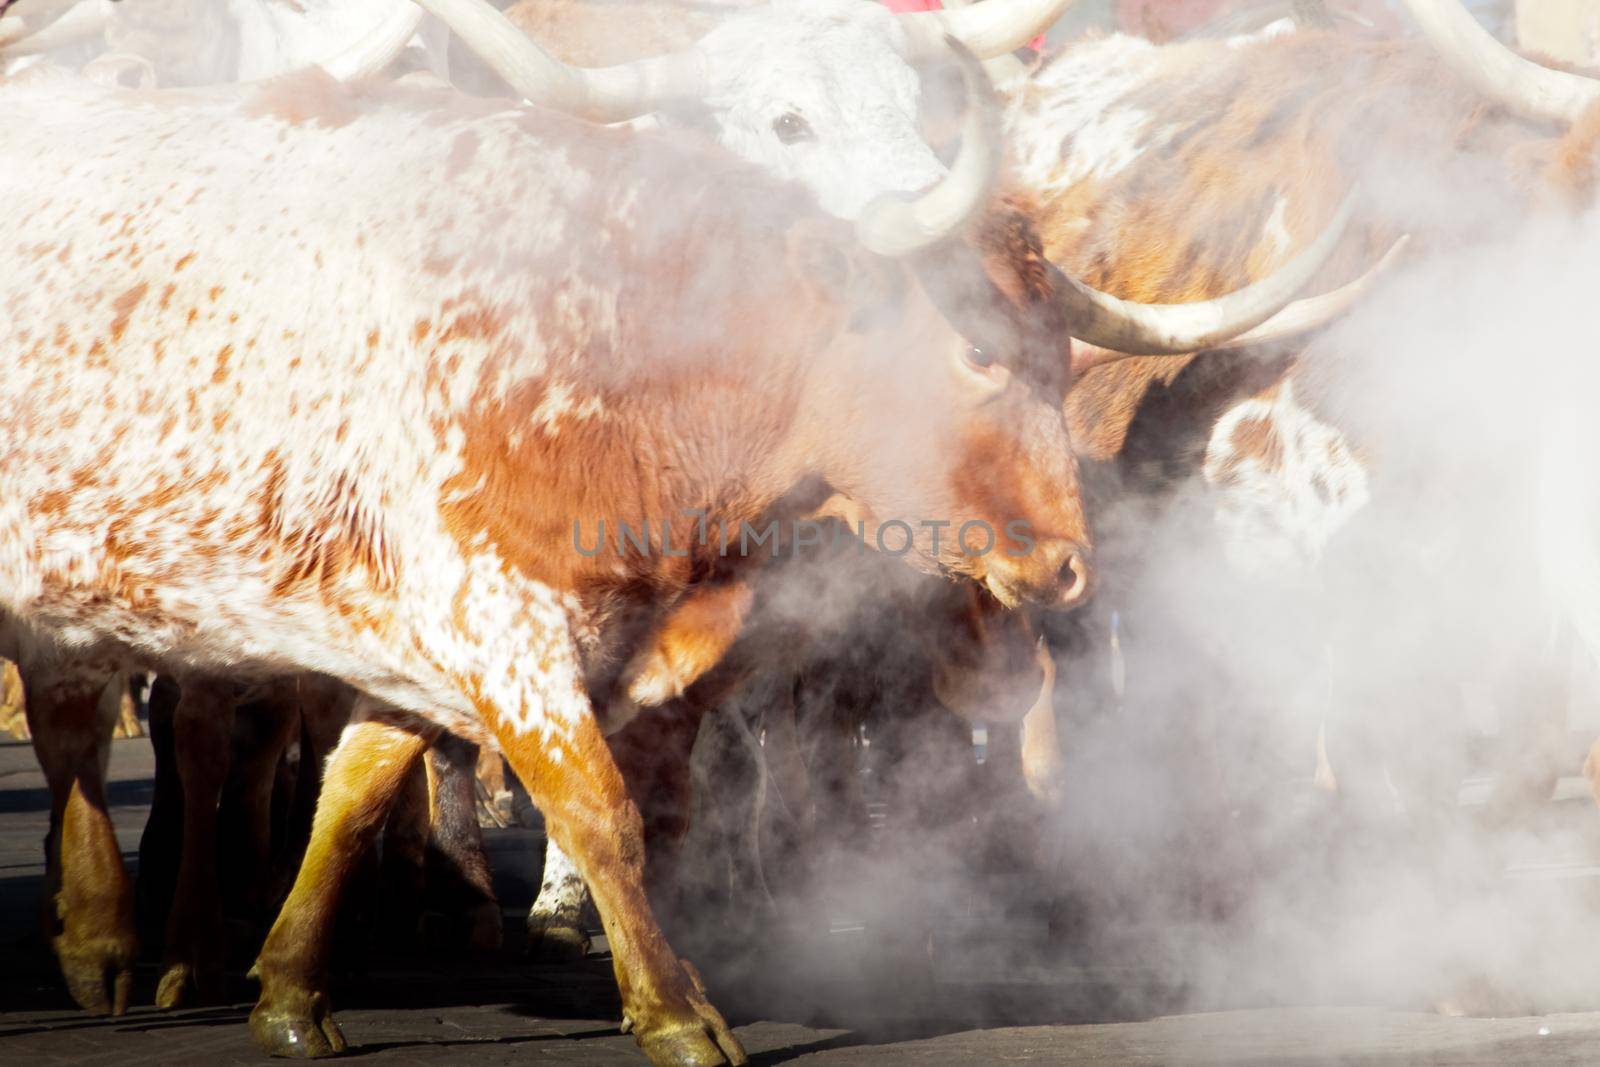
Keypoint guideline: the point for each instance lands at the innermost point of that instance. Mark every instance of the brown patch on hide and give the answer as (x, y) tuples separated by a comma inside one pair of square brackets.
[(124, 306), (307, 96), (220, 374), (321, 541), (666, 390), (1257, 438), (1571, 171)]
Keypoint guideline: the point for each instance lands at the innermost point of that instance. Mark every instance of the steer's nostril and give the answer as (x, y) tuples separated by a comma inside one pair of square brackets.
[(1076, 580)]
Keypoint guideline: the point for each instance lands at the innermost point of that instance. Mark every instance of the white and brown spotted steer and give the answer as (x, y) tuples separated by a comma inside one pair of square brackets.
[(321, 380)]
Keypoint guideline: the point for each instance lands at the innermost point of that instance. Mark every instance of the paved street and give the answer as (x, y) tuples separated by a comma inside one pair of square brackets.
[(454, 1010)]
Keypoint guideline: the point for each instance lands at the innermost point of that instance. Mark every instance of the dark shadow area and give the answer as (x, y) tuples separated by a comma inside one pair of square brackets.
[(135, 792)]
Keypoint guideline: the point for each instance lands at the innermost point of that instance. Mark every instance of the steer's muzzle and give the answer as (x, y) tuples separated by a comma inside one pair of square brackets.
[(1076, 578), (1056, 574)]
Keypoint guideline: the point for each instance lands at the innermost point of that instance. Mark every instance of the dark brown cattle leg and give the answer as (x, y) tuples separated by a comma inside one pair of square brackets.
[(458, 871), (202, 731), (263, 730), (324, 712), (162, 841), (399, 886), (364, 773), (653, 753), (88, 897)]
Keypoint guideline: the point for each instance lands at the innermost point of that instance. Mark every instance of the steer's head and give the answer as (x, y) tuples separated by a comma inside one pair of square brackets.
[(937, 415), (820, 92), (824, 92), (934, 408)]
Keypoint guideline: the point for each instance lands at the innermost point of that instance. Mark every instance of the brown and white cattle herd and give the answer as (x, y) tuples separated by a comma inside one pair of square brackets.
[(620, 388)]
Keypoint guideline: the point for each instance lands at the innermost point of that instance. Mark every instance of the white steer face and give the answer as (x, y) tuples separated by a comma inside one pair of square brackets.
[(819, 92)]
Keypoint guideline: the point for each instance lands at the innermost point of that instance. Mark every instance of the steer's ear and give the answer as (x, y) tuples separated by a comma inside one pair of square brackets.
[(836, 271), (1013, 253)]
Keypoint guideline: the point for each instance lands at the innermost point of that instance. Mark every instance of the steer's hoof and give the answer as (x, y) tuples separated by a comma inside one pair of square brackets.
[(183, 985), (557, 941), (99, 974), (304, 1030), (693, 1048)]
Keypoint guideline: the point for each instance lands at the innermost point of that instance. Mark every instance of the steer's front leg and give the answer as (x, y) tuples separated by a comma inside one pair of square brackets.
[(556, 748)]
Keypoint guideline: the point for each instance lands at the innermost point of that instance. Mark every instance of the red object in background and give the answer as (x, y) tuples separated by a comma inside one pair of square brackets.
[(900, 7)]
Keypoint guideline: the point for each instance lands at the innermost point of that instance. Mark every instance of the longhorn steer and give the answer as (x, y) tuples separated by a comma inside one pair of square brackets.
[(1174, 173), (415, 340)]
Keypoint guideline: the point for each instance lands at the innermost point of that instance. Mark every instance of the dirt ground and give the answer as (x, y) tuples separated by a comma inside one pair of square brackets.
[(456, 1010)]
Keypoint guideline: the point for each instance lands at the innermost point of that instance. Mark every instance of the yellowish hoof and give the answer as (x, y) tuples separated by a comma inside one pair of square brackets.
[(300, 1026), (99, 974)]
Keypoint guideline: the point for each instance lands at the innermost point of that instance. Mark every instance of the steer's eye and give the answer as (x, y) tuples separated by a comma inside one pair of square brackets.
[(790, 127), (979, 357)]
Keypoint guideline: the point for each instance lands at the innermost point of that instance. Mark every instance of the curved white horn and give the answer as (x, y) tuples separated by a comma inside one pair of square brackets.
[(990, 29), (1135, 329), (1315, 312), (895, 225), (1497, 72), (1002, 68), (1296, 319), (601, 94), (80, 22), (377, 49)]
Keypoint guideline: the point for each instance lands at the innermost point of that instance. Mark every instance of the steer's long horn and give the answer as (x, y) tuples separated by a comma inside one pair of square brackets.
[(896, 225), (1499, 73), (990, 29), (601, 94), (1296, 319), (1171, 329), (1315, 312), (1002, 68), (377, 49), (80, 22)]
